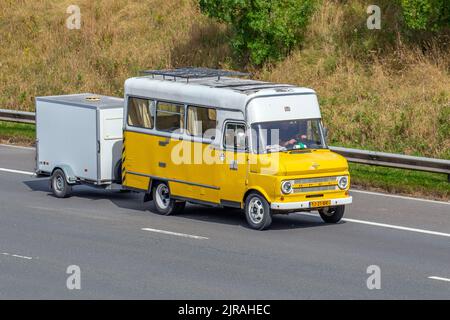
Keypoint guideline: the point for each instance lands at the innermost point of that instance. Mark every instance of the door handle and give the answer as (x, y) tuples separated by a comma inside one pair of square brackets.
[(164, 143)]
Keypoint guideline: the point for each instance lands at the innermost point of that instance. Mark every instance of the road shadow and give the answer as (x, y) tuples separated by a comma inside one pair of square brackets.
[(236, 217), (42, 185), (119, 198), (225, 216)]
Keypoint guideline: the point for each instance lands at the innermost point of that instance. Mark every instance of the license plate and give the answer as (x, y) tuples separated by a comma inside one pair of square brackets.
[(317, 204)]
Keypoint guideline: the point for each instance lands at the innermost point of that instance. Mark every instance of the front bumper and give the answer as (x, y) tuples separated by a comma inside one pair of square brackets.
[(307, 204)]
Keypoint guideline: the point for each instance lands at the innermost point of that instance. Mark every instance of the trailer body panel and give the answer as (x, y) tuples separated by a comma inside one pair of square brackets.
[(81, 133)]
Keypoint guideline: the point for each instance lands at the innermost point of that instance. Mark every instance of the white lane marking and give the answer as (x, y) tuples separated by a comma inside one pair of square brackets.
[(28, 173), (175, 234), (398, 197), (384, 225), (16, 147), (16, 256), (439, 278)]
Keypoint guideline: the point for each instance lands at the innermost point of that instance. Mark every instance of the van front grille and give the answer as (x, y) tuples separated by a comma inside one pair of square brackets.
[(315, 180), (313, 189)]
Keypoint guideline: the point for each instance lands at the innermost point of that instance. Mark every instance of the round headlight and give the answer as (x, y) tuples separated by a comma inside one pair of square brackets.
[(342, 182), (286, 187)]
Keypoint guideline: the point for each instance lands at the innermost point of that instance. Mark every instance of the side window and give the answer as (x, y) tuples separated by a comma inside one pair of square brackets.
[(235, 138), (169, 116), (200, 120), (139, 113)]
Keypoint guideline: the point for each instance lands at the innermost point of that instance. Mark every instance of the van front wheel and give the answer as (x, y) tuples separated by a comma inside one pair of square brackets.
[(164, 205), (332, 214), (257, 212)]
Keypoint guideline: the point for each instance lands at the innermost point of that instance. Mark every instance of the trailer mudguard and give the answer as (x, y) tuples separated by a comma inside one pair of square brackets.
[(68, 172)]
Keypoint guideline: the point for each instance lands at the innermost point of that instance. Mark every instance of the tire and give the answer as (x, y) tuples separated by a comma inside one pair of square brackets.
[(164, 205), (257, 211), (118, 172), (332, 214), (59, 185)]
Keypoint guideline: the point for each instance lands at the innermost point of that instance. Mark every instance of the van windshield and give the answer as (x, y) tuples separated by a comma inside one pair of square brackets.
[(287, 135)]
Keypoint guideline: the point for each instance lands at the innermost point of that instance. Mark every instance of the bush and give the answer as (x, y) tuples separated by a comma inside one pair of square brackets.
[(427, 15), (262, 30)]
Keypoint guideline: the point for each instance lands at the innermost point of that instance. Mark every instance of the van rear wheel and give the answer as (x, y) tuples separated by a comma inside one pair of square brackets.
[(164, 204), (257, 211), (59, 185), (332, 214)]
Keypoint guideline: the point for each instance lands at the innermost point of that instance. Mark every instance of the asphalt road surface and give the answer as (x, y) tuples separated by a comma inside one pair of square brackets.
[(124, 251)]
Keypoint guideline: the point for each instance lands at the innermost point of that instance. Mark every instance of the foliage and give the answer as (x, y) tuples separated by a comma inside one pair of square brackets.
[(427, 15), (262, 30)]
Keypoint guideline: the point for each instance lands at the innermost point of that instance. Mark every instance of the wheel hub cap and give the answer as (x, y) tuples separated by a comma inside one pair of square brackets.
[(162, 196), (329, 211), (59, 183)]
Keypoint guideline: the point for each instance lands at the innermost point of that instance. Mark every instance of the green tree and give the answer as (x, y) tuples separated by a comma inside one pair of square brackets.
[(427, 15), (263, 30)]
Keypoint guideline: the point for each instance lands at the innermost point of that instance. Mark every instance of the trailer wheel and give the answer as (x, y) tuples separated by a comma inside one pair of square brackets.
[(257, 211), (332, 214), (59, 185), (164, 205)]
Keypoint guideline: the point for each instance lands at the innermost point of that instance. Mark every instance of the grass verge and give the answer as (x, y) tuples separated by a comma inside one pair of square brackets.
[(400, 181), (408, 182), (17, 133)]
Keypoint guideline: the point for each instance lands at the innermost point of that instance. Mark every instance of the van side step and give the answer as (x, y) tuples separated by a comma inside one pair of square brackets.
[(228, 203)]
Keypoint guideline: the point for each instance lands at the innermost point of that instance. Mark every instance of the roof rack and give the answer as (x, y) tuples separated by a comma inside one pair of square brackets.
[(194, 73)]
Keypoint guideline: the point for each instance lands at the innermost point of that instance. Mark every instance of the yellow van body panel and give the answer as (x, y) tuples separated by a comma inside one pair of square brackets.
[(220, 176), (173, 160), (232, 172)]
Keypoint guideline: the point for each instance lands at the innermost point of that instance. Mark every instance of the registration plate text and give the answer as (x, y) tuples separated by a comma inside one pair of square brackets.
[(317, 204)]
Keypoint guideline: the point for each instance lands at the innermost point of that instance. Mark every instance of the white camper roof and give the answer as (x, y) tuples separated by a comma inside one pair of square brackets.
[(215, 91)]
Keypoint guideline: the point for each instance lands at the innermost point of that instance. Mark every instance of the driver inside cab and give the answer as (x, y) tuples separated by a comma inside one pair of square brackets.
[(291, 133)]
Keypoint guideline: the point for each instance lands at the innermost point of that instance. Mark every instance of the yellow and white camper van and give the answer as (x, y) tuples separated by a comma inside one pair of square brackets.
[(206, 136)]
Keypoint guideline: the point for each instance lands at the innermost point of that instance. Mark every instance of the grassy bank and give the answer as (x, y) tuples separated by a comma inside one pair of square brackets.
[(377, 90)]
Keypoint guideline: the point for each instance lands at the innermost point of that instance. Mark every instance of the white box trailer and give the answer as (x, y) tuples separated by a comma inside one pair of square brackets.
[(81, 135)]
